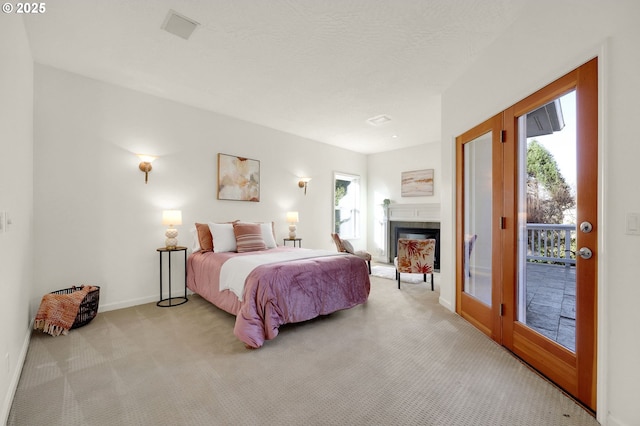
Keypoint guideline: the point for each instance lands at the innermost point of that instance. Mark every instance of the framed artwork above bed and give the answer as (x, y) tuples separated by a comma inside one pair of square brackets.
[(238, 178)]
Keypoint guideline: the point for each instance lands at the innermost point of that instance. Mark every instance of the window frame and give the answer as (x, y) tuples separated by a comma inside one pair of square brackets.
[(354, 229)]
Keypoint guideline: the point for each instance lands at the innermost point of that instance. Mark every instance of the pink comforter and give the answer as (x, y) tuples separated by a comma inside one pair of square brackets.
[(281, 293)]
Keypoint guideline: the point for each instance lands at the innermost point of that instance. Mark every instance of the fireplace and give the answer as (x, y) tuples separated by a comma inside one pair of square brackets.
[(415, 230)]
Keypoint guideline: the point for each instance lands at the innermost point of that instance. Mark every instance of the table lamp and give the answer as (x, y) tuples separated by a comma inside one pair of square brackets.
[(171, 218), (292, 218)]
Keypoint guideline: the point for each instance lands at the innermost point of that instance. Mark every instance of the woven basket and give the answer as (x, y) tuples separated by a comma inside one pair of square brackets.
[(88, 307)]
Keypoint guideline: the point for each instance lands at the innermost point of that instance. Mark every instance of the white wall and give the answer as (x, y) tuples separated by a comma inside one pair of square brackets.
[(96, 220), (385, 170), (16, 197), (551, 39)]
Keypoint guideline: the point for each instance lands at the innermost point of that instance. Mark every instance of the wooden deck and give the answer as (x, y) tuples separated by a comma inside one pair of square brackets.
[(551, 302)]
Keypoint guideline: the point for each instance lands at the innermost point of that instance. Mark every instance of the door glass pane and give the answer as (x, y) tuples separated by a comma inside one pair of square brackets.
[(346, 205), (547, 220), (478, 217)]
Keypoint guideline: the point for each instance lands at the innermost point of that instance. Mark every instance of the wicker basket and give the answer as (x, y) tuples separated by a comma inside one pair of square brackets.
[(88, 307)]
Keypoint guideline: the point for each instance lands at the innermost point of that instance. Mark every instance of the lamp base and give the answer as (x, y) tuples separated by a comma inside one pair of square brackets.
[(172, 238), (292, 232)]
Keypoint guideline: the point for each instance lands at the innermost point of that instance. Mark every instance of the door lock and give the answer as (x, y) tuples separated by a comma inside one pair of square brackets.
[(585, 253), (586, 227)]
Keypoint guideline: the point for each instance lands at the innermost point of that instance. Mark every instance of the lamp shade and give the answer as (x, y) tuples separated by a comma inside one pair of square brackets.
[(146, 158), (292, 217), (172, 217)]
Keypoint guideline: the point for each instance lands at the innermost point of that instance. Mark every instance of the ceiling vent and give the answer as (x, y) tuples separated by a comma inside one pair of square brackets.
[(379, 120), (179, 25)]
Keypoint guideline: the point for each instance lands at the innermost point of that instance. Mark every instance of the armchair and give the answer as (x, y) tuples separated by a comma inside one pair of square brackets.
[(345, 246), (415, 257)]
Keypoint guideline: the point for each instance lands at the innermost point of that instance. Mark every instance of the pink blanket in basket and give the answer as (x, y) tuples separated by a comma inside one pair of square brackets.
[(57, 312)]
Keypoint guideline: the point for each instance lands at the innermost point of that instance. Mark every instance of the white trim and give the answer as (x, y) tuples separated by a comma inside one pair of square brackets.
[(602, 324), (179, 292), (13, 384), (413, 213)]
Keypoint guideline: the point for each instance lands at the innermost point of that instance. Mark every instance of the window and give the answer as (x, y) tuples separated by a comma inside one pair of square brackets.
[(346, 195)]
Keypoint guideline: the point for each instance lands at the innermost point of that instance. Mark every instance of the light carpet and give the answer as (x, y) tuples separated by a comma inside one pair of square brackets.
[(389, 272), (399, 359)]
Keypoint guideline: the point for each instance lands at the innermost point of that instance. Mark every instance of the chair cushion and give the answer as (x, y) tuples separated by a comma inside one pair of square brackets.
[(363, 254), (348, 247)]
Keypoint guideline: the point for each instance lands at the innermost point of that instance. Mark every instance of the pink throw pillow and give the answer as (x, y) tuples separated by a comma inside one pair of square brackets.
[(248, 237), (204, 237)]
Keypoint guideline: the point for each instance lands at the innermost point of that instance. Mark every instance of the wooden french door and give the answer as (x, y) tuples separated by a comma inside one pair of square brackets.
[(480, 184), (529, 282)]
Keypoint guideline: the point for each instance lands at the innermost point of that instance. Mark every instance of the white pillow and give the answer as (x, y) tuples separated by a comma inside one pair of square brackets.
[(195, 241), (223, 237), (267, 235)]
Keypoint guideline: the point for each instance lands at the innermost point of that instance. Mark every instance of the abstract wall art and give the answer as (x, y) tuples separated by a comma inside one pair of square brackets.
[(238, 178)]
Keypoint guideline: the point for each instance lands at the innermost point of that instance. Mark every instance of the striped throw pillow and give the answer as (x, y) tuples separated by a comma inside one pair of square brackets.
[(248, 237)]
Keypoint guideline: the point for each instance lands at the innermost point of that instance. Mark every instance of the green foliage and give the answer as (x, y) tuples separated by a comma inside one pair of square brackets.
[(341, 190), (548, 194)]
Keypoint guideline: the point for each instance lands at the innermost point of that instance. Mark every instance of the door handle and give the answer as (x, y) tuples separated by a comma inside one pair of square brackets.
[(585, 253)]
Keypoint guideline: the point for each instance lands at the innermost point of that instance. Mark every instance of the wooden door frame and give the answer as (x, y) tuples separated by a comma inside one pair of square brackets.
[(486, 320), (575, 372), (548, 357)]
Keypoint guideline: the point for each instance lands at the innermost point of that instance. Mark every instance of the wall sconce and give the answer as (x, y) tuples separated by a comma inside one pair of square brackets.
[(171, 218), (145, 165), (292, 218), (303, 183)]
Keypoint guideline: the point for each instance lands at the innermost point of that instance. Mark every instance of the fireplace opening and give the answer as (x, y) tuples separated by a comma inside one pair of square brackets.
[(418, 231)]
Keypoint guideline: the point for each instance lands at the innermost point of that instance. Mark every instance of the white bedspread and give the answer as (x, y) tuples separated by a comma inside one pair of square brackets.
[(235, 271)]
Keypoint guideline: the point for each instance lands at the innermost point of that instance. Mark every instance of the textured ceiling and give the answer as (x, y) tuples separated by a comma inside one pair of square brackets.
[(314, 68)]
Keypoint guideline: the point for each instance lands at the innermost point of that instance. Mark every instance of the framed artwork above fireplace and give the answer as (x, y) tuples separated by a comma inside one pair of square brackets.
[(417, 183)]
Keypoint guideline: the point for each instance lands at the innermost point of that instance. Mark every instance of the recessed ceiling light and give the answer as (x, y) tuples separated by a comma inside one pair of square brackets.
[(394, 136), (379, 120), (179, 25)]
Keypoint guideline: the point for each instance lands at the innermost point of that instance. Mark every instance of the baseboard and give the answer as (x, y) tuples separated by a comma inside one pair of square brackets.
[(13, 384), (445, 303), (135, 302), (126, 303), (612, 421)]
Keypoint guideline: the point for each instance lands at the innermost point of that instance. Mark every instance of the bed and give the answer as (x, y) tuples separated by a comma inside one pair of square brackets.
[(282, 285)]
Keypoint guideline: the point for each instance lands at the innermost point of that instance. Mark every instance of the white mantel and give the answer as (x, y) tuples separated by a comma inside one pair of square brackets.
[(401, 213), (413, 213)]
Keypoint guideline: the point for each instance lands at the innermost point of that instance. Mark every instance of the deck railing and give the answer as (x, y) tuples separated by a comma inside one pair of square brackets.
[(551, 243)]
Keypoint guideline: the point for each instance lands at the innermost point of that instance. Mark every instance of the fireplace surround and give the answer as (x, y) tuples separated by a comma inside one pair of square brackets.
[(415, 230), (404, 220)]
